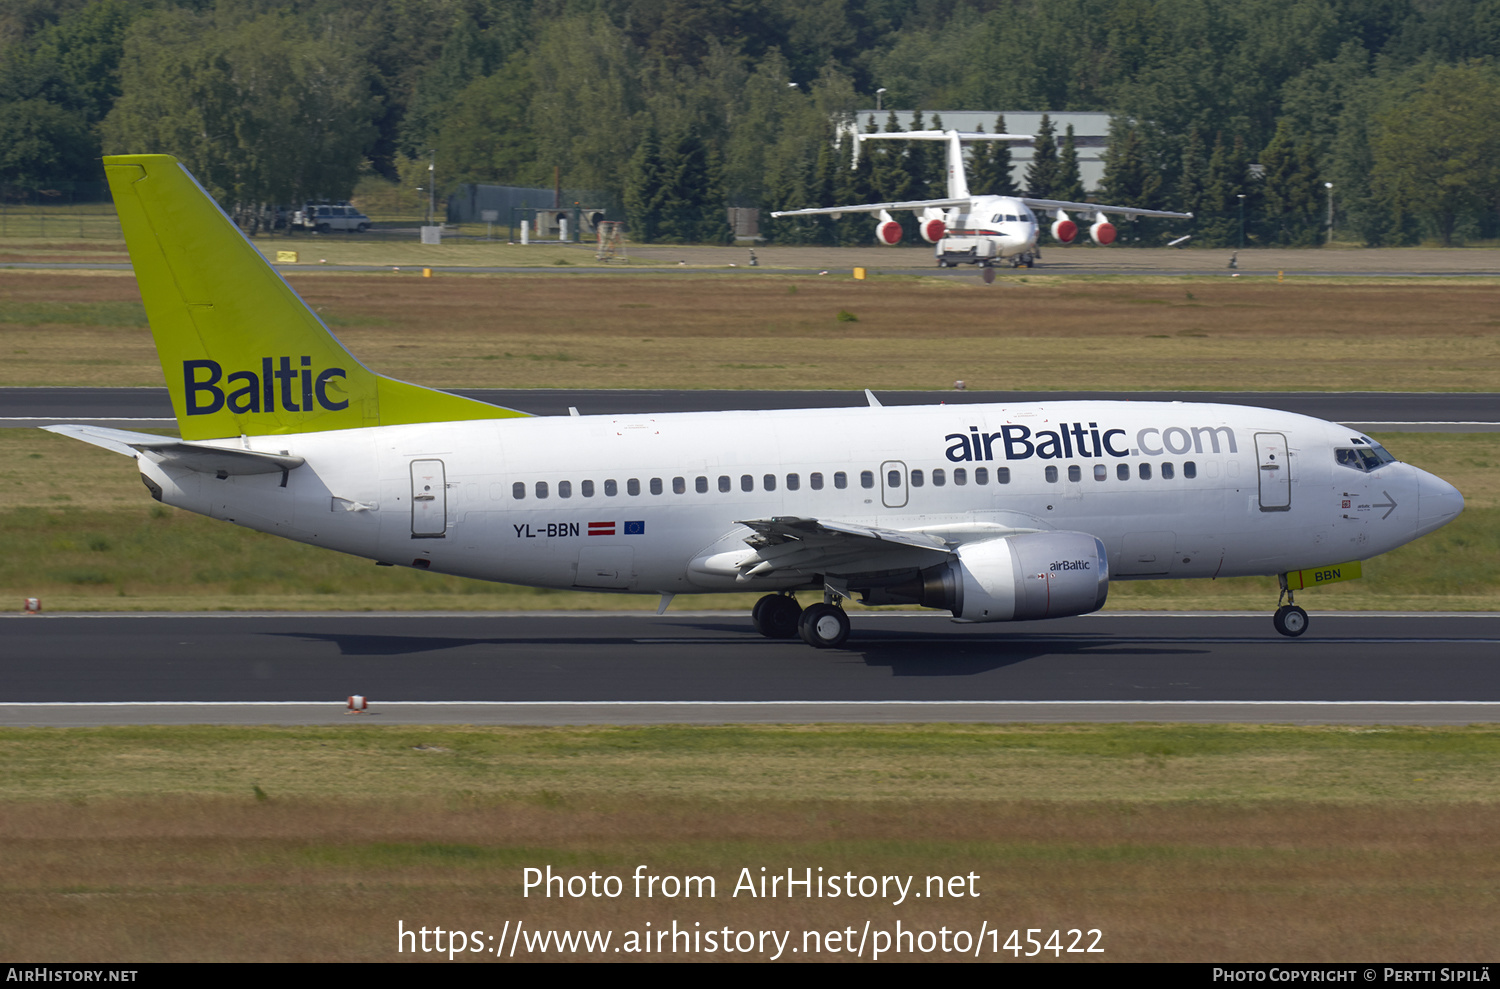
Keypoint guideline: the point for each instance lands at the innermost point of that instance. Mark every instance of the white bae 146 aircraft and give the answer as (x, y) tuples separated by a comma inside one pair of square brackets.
[(993, 512), (981, 230)]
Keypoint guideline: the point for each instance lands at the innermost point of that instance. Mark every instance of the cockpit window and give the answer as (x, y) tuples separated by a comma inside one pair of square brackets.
[(1367, 456)]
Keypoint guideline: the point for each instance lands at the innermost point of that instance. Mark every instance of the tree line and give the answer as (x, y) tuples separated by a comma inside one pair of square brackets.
[(672, 109)]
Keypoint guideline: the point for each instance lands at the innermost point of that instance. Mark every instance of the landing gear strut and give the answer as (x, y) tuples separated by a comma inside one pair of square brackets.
[(1289, 619)]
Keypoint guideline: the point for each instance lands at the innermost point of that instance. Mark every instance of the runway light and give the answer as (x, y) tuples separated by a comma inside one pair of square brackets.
[(33, 606), (357, 704)]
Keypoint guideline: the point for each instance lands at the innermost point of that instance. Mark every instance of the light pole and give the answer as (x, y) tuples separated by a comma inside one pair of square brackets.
[(431, 184), (1329, 187), (879, 98), (1241, 197)]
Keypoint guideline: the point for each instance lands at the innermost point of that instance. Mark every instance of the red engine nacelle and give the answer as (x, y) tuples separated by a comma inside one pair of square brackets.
[(1064, 230), (888, 232), (1103, 233), (933, 230)]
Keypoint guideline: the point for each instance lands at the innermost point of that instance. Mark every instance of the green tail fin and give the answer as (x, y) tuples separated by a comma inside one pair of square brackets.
[(242, 353)]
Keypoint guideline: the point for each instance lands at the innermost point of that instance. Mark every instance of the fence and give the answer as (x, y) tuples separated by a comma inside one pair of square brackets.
[(94, 221)]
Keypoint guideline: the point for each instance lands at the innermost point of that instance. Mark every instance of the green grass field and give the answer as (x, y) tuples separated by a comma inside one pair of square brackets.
[(1176, 843)]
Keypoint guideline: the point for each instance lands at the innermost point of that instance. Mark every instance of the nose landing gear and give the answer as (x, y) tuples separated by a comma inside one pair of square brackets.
[(1290, 620)]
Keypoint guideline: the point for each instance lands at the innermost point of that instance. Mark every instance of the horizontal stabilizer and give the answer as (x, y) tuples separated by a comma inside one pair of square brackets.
[(169, 451)]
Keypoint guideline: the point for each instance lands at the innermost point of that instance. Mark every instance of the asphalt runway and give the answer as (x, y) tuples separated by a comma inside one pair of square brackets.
[(713, 668), (1397, 411)]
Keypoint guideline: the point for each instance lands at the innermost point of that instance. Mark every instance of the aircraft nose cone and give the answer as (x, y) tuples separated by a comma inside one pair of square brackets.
[(1438, 503)]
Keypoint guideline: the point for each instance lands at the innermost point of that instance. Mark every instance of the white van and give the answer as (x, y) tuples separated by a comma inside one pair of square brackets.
[(326, 218)]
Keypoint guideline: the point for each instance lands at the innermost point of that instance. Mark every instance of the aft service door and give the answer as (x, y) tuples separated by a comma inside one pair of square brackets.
[(429, 499), (1275, 471), (893, 484)]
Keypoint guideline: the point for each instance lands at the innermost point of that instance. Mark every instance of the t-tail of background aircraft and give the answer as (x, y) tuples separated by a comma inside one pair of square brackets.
[(982, 230), (991, 512)]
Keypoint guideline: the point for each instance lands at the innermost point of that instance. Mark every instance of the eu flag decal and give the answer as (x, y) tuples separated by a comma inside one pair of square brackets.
[(635, 528)]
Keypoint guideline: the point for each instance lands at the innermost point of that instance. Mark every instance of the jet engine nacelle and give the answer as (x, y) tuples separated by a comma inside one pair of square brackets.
[(1064, 230), (1103, 232), (888, 232), (933, 230), (1013, 578)]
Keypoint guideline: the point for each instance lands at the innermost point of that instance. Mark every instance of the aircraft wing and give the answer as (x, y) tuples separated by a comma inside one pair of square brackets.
[(790, 545), (875, 207), (170, 451), (784, 546), (1100, 208)]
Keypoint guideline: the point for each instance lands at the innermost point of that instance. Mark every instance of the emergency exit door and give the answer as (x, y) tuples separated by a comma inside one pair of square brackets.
[(429, 499), (1275, 472)]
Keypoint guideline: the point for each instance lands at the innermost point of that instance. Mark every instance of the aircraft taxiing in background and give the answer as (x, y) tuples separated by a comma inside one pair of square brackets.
[(992, 512), (982, 230)]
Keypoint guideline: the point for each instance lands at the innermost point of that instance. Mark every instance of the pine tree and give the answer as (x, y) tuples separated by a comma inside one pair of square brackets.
[(642, 181), (1069, 179), (1192, 175), (1290, 191), (1041, 174)]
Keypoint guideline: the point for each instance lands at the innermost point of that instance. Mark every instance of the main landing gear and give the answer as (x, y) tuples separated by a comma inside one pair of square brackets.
[(823, 625), (1289, 619)]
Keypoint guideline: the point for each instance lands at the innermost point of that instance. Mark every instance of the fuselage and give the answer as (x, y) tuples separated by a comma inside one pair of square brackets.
[(991, 227), (639, 503)]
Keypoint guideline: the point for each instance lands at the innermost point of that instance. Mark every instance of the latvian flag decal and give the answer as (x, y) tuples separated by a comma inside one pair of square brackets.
[(601, 528)]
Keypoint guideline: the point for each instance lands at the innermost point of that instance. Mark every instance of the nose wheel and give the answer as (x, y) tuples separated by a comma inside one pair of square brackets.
[(1289, 620)]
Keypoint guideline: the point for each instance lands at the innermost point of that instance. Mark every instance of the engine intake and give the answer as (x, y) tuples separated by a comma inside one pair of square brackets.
[(888, 232), (1064, 230), (1013, 578)]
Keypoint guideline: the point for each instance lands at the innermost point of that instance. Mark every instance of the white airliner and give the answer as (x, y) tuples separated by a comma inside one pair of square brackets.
[(981, 230), (993, 512)]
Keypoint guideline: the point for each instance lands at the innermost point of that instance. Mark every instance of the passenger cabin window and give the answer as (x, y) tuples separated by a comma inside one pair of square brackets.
[(611, 488), (893, 479), (1101, 472), (840, 480), (587, 487), (679, 485), (724, 483), (1167, 471), (867, 478), (1144, 472), (1051, 475), (747, 482), (633, 486), (541, 489), (981, 475), (815, 480), (518, 490), (1122, 471), (656, 485), (960, 476), (939, 477), (770, 482), (1189, 469), (565, 489), (1002, 475), (701, 484), (1075, 473), (793, 482)]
